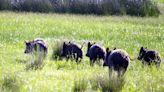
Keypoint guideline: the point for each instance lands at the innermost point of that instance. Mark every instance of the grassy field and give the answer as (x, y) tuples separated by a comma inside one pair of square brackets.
[(129, 33), (161, 1)]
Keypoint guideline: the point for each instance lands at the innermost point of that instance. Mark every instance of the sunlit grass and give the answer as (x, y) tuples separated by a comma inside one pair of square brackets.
[(129, 33)]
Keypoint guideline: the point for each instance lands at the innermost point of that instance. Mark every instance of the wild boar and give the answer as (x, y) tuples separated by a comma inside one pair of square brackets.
[(38, 49), (72, 50), (117, 60), (95, 52), (37, 46), (149, 57)]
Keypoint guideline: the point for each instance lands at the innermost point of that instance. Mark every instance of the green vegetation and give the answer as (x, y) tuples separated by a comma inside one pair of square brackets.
[(99, 7), (161, 1), (129, 33)]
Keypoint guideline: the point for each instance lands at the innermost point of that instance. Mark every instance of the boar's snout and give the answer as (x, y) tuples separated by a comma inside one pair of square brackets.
[(26, 52), (139, 58)]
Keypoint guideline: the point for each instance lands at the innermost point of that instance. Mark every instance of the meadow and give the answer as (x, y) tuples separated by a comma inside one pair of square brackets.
[(161, 1), (125, 32)]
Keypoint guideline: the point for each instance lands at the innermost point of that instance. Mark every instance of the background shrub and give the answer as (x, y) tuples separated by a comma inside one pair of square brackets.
[(57, 48), (33, 5), (141, 7), (5, 4), (99, 7)]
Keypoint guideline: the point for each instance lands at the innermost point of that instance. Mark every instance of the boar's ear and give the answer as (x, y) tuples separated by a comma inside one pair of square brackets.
[(64, 43), (26, 42), (142, 48), (89, 43), (107, 50)]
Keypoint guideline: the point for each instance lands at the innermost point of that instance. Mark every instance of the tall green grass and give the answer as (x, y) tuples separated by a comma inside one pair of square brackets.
[(161, 1), (129, 33)]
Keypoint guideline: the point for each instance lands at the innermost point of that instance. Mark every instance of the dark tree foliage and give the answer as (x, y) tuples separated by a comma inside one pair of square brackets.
[(99, 7)]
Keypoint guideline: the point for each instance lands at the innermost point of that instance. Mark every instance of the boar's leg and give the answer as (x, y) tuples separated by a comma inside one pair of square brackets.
[(67, 57), (91, 62), (77, 60), (158, 61), (121, 71)]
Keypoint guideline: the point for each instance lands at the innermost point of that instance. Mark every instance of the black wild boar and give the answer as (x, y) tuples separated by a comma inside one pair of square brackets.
[(117, 60), (72, 50), (149, 57), (38, 49), (95, 52), (37, 46)]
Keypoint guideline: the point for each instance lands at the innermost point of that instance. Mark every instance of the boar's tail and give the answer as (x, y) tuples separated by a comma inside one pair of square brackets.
[(132, 59)]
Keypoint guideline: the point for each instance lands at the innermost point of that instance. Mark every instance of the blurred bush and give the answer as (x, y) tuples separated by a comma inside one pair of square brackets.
[(99, 7)]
